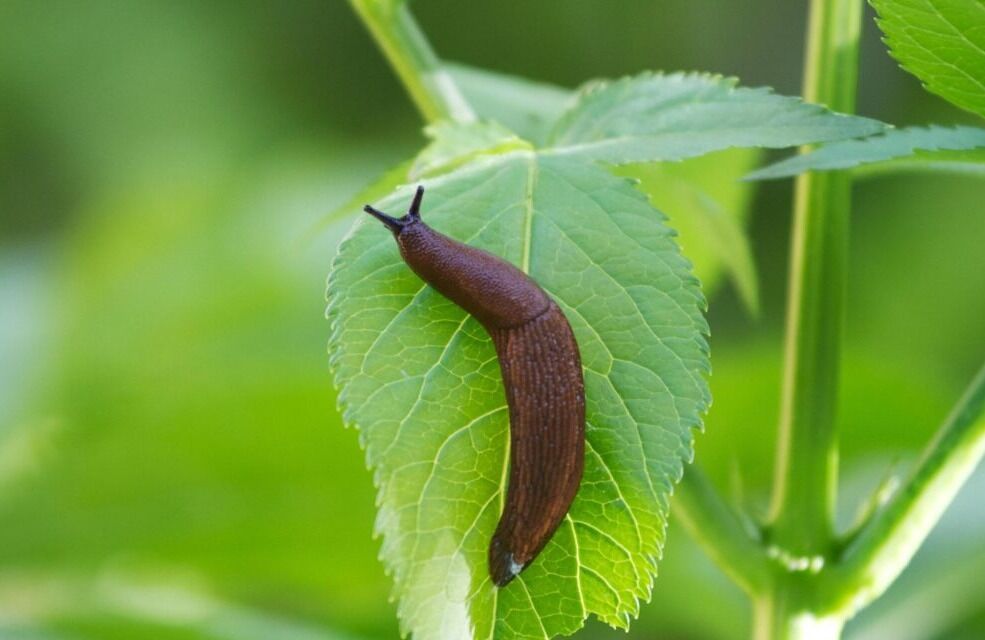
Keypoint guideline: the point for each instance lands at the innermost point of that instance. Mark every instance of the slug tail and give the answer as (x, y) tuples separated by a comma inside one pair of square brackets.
[(545, 392), (503, 566)]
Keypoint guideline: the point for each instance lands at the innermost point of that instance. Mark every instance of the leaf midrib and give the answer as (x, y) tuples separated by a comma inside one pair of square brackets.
[(528, 214)]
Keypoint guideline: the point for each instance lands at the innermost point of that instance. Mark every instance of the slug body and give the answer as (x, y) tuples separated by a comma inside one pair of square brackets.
[(542, 375)]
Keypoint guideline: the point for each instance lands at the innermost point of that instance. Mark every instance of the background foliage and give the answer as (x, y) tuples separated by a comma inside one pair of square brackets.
[(171, 462)]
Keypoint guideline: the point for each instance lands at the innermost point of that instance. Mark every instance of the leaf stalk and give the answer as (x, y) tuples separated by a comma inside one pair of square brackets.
[(411, 57), (887, 543), (722, 533)]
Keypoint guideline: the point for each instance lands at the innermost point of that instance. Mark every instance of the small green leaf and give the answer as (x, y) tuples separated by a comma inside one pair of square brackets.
[(676, 116), (421, 381), (527, 107), (927, 148), (453, 144), (941, 42)]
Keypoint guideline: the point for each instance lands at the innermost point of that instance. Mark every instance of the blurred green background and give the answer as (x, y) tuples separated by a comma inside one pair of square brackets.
[(171, 461)]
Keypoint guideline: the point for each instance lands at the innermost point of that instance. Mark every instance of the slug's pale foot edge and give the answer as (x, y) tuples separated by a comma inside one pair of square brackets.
[(503, 567)]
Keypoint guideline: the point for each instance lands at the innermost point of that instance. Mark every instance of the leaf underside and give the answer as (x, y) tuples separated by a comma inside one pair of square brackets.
[(957, 149)]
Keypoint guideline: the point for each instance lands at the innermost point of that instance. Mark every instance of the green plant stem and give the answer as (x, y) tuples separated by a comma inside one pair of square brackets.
[(801, 528), (782, 615), (884, 547), (721, 532), (807, 449), (409, 53)]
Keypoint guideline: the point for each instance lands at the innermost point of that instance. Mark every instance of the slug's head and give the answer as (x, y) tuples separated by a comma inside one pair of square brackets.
[(396, 225)]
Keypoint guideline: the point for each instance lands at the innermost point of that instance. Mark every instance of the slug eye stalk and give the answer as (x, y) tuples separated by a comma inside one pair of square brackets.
[(396, 224)]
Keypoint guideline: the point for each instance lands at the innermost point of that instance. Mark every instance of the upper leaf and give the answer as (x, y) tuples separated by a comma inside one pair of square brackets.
[(676, 116), (941, 42), (421, 380), (926, 147)]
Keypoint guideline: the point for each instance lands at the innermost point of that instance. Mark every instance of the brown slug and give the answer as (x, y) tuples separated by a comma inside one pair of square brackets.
[(542, 375)]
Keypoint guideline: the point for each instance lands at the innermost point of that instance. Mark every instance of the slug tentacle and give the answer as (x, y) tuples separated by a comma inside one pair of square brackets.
[(393, 224), (415, 206), (542, 377), (396, 225)]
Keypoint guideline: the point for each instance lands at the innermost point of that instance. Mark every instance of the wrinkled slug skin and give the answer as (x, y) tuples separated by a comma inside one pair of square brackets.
[(546, 396), (542, 376)]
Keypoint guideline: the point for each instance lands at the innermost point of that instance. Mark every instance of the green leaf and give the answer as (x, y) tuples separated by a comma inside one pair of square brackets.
[(968, 163), (707, 205), (420, 379), (941, 42), (676, 116), (453, 144), (922, 147), (527, 107)]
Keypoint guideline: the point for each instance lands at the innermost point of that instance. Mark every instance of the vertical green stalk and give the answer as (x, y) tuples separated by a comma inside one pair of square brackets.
[(801, 532), (409, 53), (807, 450), (780, 615)]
